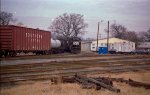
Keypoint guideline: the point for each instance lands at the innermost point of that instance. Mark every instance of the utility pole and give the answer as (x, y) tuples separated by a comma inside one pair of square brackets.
[(97, 37), (108, 38)]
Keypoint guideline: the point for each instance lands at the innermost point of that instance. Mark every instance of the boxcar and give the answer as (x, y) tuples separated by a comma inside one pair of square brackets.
[(15, 39)]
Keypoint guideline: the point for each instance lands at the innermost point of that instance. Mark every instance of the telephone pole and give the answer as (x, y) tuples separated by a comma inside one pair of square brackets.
[(97, 37), (108, 38)]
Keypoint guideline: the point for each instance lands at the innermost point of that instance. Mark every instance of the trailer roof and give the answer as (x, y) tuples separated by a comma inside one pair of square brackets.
[(111, 40)]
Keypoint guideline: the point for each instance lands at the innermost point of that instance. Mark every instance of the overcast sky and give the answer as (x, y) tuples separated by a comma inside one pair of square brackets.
[(134, 14)]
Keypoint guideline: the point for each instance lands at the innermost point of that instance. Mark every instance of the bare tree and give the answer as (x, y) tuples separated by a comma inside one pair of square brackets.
[(146, 35), (119, 31), (132, 36), (6, 18), (69, 25)]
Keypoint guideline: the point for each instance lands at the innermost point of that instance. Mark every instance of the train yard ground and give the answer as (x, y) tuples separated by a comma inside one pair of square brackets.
[(31, 75)]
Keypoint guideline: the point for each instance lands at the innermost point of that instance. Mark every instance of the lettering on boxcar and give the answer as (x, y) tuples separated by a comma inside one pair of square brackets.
[(34, 36)]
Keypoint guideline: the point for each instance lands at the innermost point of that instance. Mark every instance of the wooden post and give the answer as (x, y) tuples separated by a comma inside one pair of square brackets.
[(97, 37), (98, 83), (108, 38)]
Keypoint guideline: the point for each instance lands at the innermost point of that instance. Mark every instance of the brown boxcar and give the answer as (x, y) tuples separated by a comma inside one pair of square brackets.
[(15, 39)]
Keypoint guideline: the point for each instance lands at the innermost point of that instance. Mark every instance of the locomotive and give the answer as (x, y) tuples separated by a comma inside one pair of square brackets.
[(16, 39), (58, 46)]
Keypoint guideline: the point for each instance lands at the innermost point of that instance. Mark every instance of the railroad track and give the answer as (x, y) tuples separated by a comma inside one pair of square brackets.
[(75, 58), (11, 75)]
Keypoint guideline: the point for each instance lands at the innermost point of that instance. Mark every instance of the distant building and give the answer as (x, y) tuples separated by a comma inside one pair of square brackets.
[(86, 46), (114, 44), (144, 46)]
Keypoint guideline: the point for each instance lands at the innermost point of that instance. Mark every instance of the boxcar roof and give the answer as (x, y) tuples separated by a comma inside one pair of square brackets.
[(11, 26)]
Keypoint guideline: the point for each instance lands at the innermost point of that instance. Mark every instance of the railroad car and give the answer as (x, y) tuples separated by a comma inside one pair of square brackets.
[(75, 46), (16, 39)]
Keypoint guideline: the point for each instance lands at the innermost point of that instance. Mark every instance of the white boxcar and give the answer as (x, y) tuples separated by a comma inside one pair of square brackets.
[(114, 43)]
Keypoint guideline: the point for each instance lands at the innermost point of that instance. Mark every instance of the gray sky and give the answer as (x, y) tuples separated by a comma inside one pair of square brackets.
[(134, 14)]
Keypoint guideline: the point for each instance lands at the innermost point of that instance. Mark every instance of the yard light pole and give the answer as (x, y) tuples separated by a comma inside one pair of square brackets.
[(98, 34)]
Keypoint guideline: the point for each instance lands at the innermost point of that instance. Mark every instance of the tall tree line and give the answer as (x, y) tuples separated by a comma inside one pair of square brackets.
[(120, 31)]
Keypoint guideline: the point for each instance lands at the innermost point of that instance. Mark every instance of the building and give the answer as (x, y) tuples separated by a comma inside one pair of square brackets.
[(144, 46), (86, 46), (114, 44)]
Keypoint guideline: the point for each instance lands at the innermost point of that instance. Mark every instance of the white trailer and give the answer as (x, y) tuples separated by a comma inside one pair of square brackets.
[(114, 43)]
